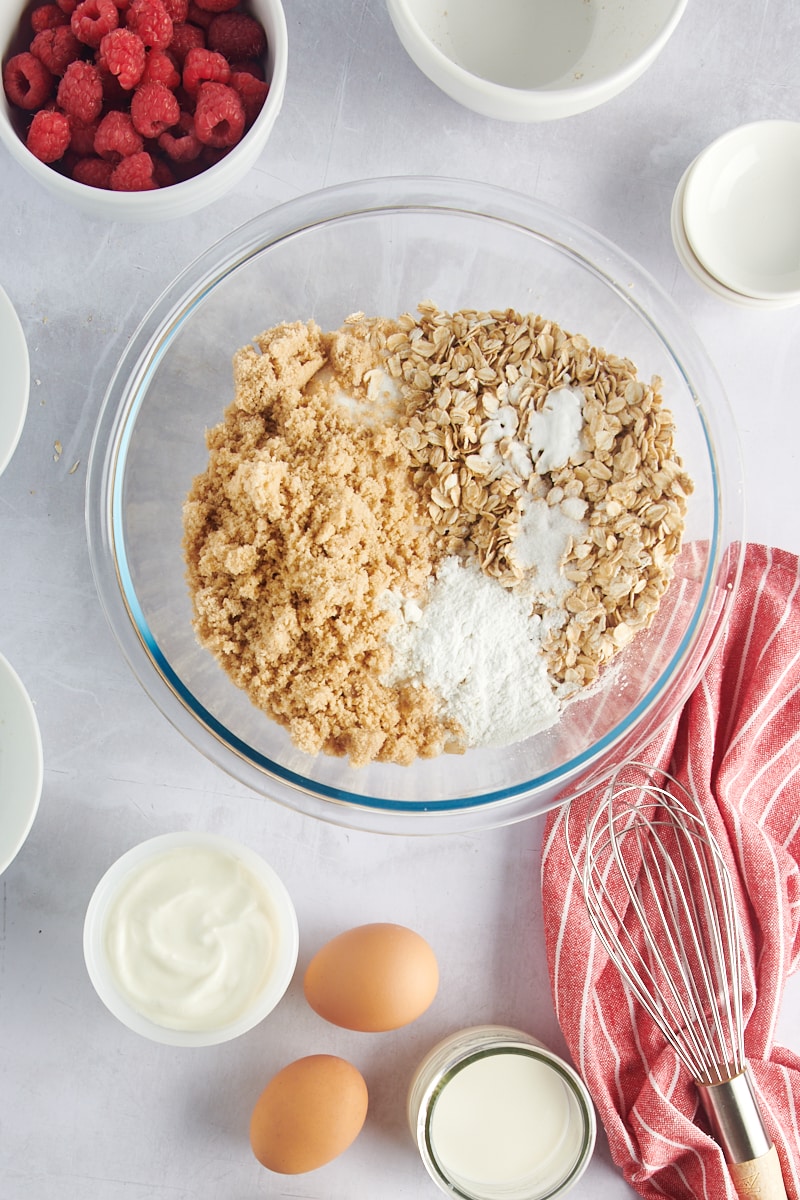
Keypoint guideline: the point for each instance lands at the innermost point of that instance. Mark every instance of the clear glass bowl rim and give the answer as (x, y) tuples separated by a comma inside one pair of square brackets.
[(150, 341)]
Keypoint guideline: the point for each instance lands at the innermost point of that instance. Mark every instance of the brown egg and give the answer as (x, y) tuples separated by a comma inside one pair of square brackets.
[(372, 978), (308, 1114)]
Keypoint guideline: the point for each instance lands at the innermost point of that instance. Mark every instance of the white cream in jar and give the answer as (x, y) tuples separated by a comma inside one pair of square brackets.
[(496, 1115), (190, 939)]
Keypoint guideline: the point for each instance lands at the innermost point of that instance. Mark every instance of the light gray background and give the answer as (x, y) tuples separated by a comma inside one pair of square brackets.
[(89, 1111)]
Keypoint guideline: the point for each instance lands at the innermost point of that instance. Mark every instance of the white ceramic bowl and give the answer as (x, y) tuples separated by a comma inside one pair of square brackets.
[(16, 380), (21, 766), (741, 210), (534, 60), (693, 267), (179, 199), (283, 921)]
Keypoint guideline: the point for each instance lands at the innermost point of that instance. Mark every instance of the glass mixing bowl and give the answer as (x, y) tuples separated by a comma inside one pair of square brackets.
[(382, 246)]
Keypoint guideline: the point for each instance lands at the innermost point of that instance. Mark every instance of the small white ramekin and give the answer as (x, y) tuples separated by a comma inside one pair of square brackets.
[(515, 62), (740, 211), (695, 269), (16, 380), (101, 973), (21, 764)]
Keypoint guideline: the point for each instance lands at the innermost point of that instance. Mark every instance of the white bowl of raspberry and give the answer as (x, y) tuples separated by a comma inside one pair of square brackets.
[(140, 110)]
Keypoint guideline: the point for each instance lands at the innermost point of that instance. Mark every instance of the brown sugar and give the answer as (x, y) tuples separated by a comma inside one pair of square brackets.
[(305, 517)]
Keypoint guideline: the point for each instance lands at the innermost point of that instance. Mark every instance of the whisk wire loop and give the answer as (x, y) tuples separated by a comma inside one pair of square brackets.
[(661, 902)]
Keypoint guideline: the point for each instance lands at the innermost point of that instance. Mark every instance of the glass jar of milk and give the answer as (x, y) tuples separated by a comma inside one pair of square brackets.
[(495, 1114)]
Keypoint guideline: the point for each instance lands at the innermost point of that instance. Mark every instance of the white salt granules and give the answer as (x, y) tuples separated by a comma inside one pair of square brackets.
[(477, 647)]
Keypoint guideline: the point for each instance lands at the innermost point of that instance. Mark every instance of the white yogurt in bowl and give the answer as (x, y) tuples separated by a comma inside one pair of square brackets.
[(190, 939)]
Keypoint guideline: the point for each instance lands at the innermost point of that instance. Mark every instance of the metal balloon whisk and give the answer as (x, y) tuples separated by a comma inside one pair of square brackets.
[(661, 901)]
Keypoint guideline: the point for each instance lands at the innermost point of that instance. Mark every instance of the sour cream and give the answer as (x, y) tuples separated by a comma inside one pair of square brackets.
[(190, 935), (190, 938)]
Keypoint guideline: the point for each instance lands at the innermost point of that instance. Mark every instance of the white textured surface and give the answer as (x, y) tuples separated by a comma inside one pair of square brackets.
[(89, 1111)]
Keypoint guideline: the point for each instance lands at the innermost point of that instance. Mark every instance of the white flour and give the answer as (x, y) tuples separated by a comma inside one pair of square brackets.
[(476, 644)]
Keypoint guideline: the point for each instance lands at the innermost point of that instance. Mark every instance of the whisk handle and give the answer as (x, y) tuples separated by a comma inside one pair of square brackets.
[(759, 1178), (737, 1124)]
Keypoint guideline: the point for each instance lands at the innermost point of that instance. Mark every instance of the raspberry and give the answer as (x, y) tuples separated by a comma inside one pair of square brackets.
[(159, 67), (219, 115), (134, 174), (204, 66), (67, 6), (250, 66), (149, 18), (48, 135), (82, 140), (122, 53), (177, 10), (80, 92), (199, 16), (186, 37), (236, 35), (116, 137), (93, 19), (56, 48), (47, 16), (94, 172), (213, 155), (181, 143), (252, 92), (114, 95), (163, 173), (216, 6), (154, 109), (27, 81)]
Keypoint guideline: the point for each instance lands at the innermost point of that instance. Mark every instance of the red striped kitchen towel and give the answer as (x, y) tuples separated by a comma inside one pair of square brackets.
[(736, 745)]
